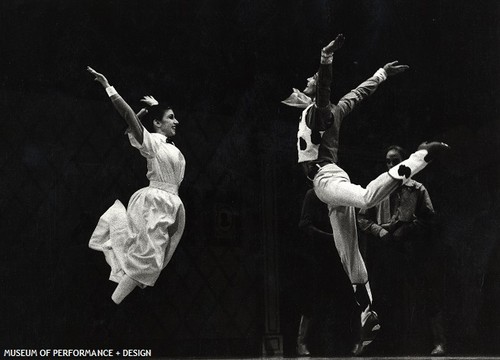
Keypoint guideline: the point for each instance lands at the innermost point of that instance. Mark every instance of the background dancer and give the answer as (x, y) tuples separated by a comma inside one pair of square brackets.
[(405, 221), (316, 233)]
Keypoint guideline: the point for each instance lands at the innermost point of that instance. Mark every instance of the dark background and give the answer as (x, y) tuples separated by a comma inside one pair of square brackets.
[(225, 66)]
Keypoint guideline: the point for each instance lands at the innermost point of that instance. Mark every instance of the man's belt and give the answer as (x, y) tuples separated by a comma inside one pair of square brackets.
[(313, 170)]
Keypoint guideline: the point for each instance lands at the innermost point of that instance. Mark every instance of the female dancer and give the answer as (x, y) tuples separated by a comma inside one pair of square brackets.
[(139, 241)]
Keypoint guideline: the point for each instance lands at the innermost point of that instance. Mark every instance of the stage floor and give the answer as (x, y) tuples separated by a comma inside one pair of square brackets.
[(351, 358)]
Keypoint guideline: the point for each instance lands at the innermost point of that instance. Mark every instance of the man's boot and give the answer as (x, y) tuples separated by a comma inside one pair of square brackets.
[(369, 323), (417, 161)]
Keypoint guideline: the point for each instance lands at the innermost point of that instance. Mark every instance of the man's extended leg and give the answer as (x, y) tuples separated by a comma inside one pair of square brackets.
[(333, 186)]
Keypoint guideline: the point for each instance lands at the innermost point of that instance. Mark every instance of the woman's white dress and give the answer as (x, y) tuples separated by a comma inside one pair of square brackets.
[(140, 240)]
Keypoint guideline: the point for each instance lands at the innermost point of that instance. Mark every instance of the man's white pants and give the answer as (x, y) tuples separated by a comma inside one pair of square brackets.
[(333, 186)]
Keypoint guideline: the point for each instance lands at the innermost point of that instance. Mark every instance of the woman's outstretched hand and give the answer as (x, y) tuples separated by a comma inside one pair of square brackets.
[(100, 78)]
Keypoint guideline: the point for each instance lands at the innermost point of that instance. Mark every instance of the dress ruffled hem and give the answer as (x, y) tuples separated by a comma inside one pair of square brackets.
[(110, 236)]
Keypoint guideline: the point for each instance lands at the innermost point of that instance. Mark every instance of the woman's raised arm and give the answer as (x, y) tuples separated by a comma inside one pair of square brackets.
[(120, 105)]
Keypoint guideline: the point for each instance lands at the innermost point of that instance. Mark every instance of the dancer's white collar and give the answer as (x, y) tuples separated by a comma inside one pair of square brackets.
[(298, 99)]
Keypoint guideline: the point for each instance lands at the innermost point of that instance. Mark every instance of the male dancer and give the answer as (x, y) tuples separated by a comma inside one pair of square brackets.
[(405, 220), (318, 141)]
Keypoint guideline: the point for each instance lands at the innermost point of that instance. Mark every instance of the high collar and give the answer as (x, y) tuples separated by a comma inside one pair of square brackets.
[(164, 138)]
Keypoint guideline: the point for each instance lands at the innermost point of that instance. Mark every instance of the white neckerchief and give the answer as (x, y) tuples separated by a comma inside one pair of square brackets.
[(298, 99)]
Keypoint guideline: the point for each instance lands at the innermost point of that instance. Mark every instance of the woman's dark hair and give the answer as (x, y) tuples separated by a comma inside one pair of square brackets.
[(402, 152), (155, 112)]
